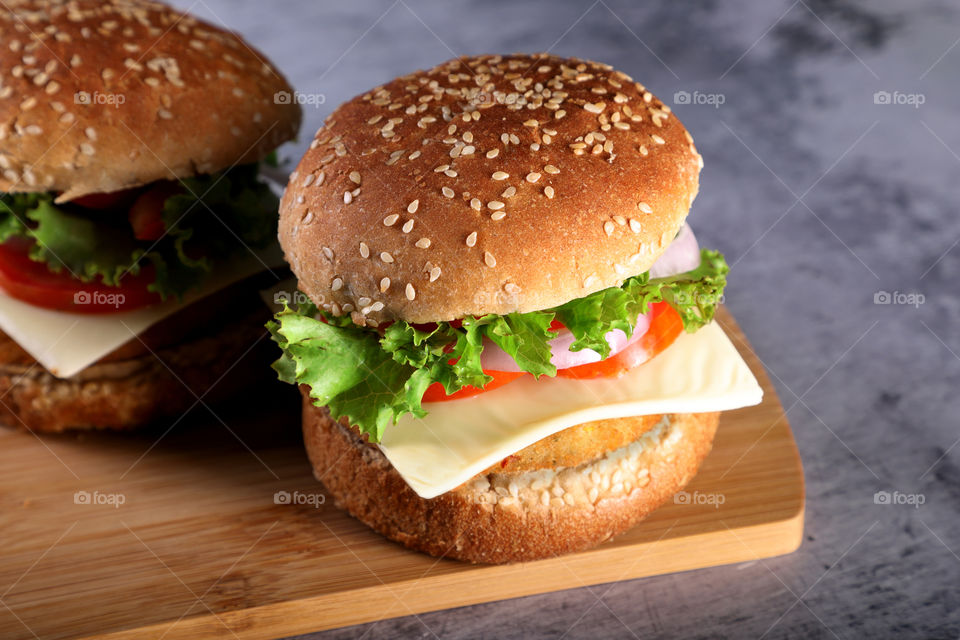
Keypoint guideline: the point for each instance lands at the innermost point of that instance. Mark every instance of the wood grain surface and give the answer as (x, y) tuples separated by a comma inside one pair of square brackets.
[(176, 532)]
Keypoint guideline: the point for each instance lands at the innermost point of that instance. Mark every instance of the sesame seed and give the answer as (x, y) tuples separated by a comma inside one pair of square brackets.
[(596, 107), (413, 206), (336, 284), (347, 197), (364, 250), (472, 239), (448, 192), (386, 257), (475, 204), (500, 175), (407, 226), (548, 191), (410, 292), (363, 301), (498, 215), (355, 177), (495, 205), (376, 306), (635, 226), (493, 153), (551, 169), (532, 177), (467, 137), (391, 219), (384, 285), (423, 243), (509, 192), (643, 206), (450, 173), (434, 274), (489, 259), (657, 139), (608, 227)]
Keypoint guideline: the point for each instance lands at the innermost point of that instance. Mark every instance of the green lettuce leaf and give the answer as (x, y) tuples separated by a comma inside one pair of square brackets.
[(375, 379), (219, 216)]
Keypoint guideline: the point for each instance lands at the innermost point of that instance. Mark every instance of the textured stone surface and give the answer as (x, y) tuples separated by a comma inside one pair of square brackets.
[(820, 198)]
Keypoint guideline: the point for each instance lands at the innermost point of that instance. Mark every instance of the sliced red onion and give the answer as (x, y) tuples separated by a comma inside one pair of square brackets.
[(496, 359), (682, 255)]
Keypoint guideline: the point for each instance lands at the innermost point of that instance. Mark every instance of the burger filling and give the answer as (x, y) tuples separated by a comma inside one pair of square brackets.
[(128, 249), (373, 376)]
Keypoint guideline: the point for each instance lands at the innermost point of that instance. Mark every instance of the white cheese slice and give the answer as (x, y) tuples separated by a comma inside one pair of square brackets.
[(66, 343), (700, 372)]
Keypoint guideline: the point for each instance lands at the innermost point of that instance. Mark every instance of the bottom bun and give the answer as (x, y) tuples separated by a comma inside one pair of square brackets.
[(510, 517)]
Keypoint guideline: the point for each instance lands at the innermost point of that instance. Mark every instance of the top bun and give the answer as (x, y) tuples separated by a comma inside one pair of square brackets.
[(490, 184), (98, 96)]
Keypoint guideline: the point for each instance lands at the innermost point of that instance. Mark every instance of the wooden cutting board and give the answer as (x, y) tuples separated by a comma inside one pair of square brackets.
[(178, 534)]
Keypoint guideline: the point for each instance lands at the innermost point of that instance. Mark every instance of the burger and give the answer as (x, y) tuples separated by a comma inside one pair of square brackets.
[(132, 213), (505, 343)]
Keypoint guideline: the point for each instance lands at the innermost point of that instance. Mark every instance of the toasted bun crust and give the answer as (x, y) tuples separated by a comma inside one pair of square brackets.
[(396, 211), (98, 96), (510, 517), (130, 393)]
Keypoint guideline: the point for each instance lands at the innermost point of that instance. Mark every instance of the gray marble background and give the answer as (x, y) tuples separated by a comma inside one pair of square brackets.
[(820, 198)]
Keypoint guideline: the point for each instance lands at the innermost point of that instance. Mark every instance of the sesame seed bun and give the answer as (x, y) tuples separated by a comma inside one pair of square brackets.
[(101, 96), (491, 184), (513, 516)]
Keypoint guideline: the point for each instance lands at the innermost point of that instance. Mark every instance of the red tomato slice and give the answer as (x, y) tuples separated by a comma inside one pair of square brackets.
[(113, 200), (436, 392), (665, 326), (146, 213), (32, 282)]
